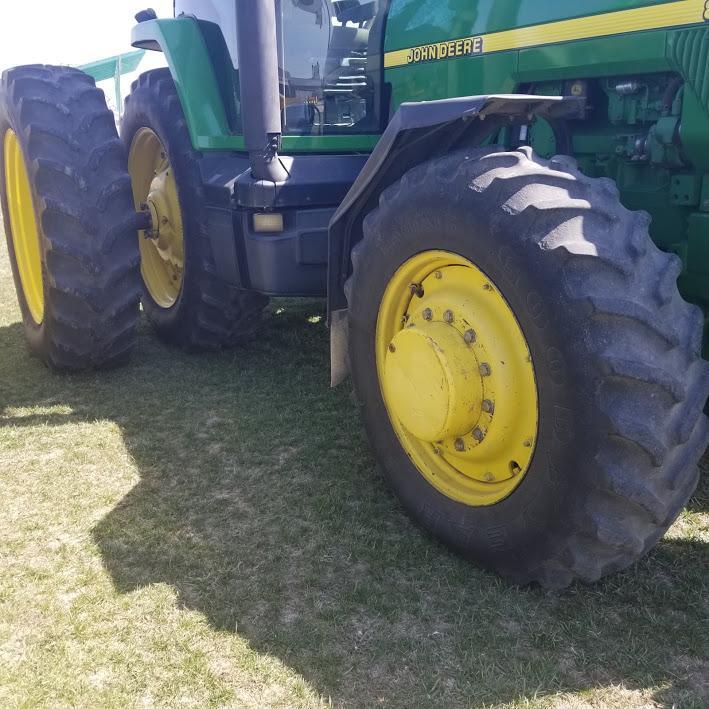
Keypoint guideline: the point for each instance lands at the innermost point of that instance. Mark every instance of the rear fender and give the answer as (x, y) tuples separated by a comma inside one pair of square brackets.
[(416, 133)]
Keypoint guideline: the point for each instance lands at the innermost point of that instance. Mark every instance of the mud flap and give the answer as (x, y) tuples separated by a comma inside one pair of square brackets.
[(339, 359)]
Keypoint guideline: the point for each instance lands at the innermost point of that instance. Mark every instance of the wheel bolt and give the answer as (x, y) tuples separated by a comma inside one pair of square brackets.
[(470, 337), (485, 370), (416, 289), (478, 435), (438, 275), (392, 348), (488, 406), (427, 314), (459, 445), (448, 316)]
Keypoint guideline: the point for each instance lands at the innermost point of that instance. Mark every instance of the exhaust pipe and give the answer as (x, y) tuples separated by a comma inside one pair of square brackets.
[(260, 92)]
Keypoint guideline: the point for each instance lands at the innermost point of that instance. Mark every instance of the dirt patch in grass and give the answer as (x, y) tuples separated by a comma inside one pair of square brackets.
[(211, 530)]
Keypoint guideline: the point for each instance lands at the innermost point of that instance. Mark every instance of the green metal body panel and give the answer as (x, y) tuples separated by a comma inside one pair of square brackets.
[(671, 184), (623, 55), (187, 56), (415, 22)]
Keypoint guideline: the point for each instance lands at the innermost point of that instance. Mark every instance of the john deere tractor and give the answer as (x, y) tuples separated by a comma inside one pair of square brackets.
[(506, 205)]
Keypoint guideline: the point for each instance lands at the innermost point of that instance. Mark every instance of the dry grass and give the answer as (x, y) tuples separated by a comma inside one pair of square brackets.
[(210, 530)]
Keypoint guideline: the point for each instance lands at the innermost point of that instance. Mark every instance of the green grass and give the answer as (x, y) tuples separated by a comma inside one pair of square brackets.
[(211, 530)]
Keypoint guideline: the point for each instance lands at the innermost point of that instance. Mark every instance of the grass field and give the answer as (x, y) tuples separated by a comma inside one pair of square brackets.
[(210, 530)]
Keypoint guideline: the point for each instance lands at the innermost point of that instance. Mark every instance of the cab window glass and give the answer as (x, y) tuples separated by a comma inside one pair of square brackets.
[(327, 66)]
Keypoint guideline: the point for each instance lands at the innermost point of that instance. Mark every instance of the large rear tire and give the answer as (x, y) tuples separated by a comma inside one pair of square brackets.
[(198, 311), (595, 311), (69, 218)]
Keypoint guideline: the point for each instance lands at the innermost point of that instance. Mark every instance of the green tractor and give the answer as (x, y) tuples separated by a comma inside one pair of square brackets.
[(506, 205)]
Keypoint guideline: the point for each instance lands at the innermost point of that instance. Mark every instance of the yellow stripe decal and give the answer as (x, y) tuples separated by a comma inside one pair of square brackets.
[(668, 15)]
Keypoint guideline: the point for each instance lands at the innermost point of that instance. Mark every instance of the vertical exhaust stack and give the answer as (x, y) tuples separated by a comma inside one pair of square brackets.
[(260, 94)]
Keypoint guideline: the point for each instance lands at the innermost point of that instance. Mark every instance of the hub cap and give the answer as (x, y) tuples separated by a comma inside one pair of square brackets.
[(457, 378), (24, 228), (155, 190)]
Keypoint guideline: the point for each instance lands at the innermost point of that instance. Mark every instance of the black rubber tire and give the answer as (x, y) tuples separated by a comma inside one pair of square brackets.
[(84, 206), (208, 313), (616, 349)]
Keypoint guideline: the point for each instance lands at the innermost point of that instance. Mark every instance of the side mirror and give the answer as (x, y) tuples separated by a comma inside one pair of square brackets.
[(146, 15)]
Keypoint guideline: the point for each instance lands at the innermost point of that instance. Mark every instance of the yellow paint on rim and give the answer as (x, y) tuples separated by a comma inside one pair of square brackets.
[(457, 378), (653, 17), (25, 231), (162, 254)]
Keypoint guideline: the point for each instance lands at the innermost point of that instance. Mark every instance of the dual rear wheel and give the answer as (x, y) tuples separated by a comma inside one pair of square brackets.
[(72, 193)]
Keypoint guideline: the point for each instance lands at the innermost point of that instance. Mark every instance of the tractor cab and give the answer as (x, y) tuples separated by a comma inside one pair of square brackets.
[(328, 56)]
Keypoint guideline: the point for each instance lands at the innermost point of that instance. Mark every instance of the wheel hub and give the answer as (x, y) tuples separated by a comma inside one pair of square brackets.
[(433, 381), (155, 192), (457, 378)]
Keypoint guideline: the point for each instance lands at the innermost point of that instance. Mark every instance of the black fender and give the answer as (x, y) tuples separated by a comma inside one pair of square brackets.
[(418, 132)]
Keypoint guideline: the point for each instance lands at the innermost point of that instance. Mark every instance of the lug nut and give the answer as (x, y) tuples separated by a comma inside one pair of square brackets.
[(436, 450), (392, 348), (427, 314), (470, 337), (489, 477), (478, 435), (528, 443), (416, 289), (488, 406), (485, 370), (448, 316), (459, 445), (438, 275)]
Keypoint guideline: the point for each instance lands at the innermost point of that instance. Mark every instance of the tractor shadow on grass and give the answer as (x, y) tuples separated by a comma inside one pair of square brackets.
[(259, 504)]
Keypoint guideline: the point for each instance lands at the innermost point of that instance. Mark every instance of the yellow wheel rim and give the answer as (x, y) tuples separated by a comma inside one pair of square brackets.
[(162, 254), (24, 227), (457, 378)]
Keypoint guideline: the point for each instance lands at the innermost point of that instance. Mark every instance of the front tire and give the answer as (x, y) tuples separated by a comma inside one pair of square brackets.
[(186, 302), (620, 382)]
